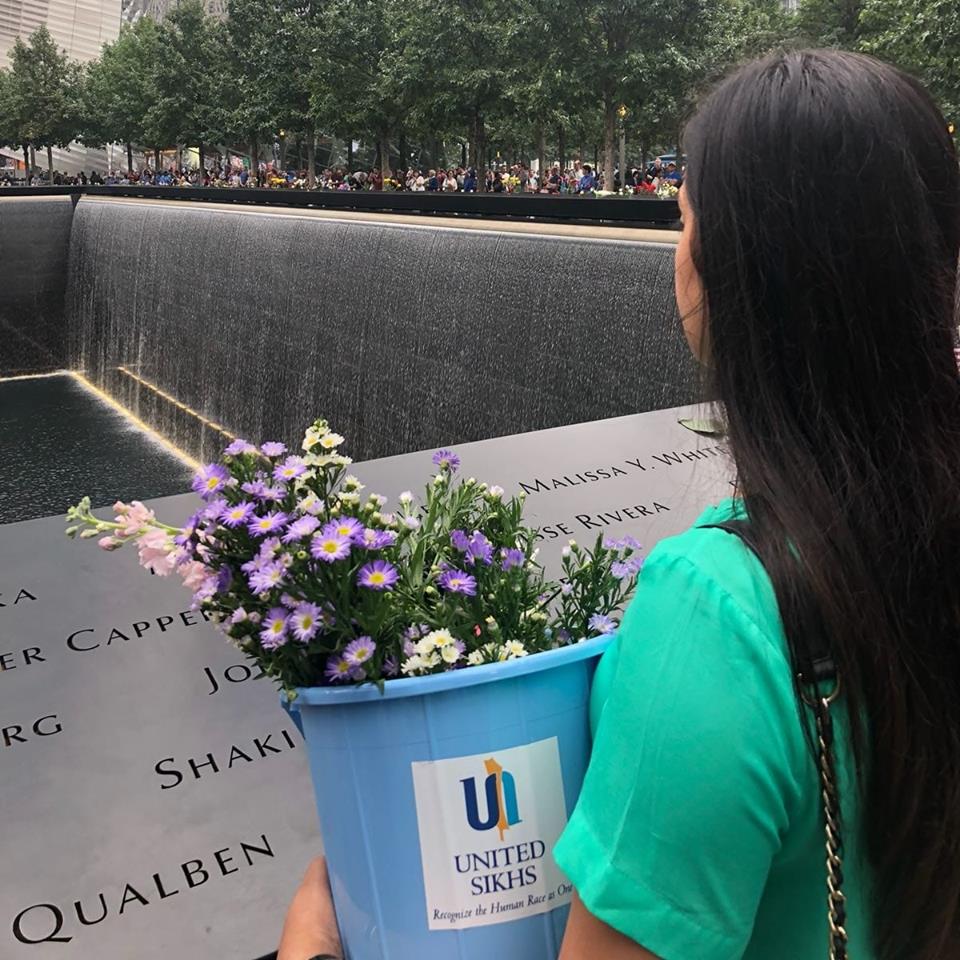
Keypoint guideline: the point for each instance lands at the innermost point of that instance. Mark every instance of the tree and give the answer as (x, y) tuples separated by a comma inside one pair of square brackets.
[(10, 131), (830, 23), (119, 91), (248, 106), (185, 109), (458, 65), (363, 82), (627, 50), (45, 84), (922, 37)]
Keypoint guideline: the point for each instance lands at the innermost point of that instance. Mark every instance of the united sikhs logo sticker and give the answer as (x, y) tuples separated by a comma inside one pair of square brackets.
[(487, 825), (500, 791)]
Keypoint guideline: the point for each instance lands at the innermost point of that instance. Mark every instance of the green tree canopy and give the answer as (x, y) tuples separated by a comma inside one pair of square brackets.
[(119, 91), (44, 85)]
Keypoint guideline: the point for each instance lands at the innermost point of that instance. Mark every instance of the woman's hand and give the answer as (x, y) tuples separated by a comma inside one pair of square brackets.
[(311, 925)]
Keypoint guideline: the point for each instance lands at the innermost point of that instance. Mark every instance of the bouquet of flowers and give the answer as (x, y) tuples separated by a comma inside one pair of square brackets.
[(320, 584), (667, 190)]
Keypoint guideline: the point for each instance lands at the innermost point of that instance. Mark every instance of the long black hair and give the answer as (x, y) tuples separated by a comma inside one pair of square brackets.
[(826, 202)]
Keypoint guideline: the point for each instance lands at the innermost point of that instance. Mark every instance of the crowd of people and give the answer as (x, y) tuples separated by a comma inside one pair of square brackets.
[(656, 178)]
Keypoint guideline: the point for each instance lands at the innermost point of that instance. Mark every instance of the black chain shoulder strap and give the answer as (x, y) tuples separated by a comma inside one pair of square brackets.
[(816, 671)]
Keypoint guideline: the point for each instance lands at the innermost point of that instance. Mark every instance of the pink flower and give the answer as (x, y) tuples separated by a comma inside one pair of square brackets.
[(194, 574), (157, 552), (134, 518), (109, 543)]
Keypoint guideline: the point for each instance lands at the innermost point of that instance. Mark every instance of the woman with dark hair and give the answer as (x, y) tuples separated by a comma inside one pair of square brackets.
[(794, 658)]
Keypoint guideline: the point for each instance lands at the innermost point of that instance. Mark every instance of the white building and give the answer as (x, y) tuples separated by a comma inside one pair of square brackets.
[(81, 27)]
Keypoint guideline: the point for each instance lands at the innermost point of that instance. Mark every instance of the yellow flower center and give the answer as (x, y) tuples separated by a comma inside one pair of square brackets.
[(377, 577), (213, 483), (330, 546), (276, 626), (265, 523)]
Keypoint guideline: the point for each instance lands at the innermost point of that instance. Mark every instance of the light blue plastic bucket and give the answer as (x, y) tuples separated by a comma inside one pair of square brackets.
[(362, 745)]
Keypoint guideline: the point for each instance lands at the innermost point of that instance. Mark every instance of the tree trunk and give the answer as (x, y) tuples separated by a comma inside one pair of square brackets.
[(201, 155), (404, 154), (609, 136), (541, 153), (255, 160), (463, 153), (50, 164), (156, 159), (26, 161), (311, 158), (33, 158), (349, 155), (623, 156), (129, 157), (561, 146), (384, 147)]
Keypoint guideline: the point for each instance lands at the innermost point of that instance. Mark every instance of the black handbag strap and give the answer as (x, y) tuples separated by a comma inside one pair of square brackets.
[(815, 668)]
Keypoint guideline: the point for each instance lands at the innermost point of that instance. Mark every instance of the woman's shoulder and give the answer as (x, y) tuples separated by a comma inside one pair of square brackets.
[(715, 566)]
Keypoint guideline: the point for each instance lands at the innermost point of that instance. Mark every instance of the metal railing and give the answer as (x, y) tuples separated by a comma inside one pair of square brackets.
[(611, 211)]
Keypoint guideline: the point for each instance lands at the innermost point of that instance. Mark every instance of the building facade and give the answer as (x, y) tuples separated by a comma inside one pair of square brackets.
[(81, 27)]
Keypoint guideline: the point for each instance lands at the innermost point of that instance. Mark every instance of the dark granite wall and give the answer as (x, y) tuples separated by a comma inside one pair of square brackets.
[(403, 336), (34, 241)]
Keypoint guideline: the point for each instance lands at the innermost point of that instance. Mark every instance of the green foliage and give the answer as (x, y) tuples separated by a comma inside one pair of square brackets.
[(43, 108), (119, 88), (362, 83), (187, 85), (538, 79), (922, 38)]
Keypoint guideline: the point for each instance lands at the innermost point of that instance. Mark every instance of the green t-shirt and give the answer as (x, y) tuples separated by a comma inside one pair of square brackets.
[(698, 832)]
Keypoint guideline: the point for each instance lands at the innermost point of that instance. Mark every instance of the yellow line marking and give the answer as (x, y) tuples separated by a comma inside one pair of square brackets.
[(34, 376), (177, 403), (136, 421)]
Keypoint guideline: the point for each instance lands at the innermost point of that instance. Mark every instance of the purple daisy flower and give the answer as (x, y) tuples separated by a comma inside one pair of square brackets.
[(460, 541), (214, 508), (377, 539), (337, 670), (330, 548), (359, 651), (301, 528), (457, 581), (479, 548), (305, 621), (446, 460), (273, 449), (238, 447), (266, 577), (210, 480), (601, 624), (348, 527), (290, 469), (274, 632), (254, 487), (237, 515), (512, 558), (269, 523), (626, 568), (189, 529), (273, 493), (378, 575)]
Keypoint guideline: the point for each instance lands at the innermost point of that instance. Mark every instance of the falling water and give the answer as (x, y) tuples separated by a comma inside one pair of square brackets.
[(255, 322)]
